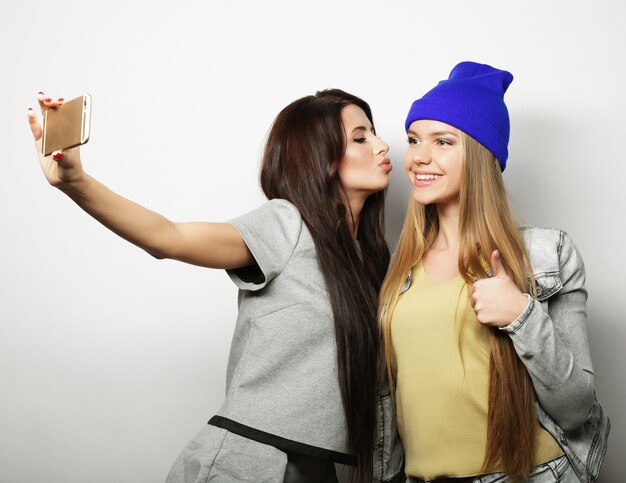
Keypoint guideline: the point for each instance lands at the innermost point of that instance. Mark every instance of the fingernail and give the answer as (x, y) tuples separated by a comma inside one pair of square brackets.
[(57, 156), (48, 99), (61, 99), (30, 108), (40, 93)]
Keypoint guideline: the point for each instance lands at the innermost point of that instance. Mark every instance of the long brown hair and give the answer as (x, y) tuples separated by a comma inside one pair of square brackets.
[(485, 224), (301, 164)]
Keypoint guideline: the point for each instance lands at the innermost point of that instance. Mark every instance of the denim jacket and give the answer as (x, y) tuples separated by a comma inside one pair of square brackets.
[(550, 337)]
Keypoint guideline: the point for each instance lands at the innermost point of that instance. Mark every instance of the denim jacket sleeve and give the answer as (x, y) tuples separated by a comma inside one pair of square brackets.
[(388, 452), (550, 337)]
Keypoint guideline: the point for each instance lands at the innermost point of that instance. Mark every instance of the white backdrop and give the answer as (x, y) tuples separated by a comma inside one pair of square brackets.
[(111, 360)]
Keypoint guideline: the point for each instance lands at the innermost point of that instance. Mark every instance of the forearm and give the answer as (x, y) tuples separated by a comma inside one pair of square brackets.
[(562, 375), (140, 226), (213, 245)]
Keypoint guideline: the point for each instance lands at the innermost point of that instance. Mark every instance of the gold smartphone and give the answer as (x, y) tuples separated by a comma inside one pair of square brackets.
[(67, 126)]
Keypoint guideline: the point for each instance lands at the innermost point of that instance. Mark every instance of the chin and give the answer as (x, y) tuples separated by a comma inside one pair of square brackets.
[(423, 198), (381, 186), (377, 189)]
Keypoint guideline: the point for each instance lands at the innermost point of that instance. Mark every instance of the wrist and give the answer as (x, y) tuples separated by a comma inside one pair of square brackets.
[(517, 306), (76, 186), (521, 305), (521, 318)]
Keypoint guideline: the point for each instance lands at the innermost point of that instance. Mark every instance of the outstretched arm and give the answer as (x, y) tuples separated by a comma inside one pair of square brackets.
[(215, 245)]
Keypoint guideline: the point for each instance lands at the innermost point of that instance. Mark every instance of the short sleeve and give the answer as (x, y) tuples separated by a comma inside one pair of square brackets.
[(271, 232)]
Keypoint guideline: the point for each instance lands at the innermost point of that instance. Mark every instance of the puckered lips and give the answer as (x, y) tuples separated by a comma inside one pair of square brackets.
[(385, 164)]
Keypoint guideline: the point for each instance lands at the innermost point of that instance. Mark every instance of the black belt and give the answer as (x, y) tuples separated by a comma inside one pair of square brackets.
[(278, 442)]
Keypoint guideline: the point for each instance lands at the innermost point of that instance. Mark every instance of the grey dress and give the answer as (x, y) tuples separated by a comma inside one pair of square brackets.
[(282, 395)]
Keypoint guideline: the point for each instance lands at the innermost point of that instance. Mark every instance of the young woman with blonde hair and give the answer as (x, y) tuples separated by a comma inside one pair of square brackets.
[(484, 323)]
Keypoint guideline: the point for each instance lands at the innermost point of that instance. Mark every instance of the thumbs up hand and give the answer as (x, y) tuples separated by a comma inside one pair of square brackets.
[(497, 301)]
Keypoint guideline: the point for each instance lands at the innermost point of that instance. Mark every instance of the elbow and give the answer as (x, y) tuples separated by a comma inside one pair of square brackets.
[(577, 415), (156, 254), (571, 423), (570, 406), (159, 250)]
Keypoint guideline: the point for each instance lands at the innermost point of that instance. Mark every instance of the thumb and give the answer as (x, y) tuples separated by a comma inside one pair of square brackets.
[(35, 127), (496, 264)]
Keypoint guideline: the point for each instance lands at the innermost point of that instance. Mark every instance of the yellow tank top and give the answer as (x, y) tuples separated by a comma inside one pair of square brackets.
[(442, 381)]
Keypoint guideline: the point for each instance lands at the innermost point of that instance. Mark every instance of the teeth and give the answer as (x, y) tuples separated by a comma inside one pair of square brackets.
[(427, 176)]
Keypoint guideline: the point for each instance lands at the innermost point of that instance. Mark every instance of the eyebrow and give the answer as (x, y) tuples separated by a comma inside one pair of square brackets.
[(360, 128), (438, 133)]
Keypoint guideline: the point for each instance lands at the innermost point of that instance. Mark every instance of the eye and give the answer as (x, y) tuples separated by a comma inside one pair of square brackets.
[(413, 140), (360, 139), (444, 142)]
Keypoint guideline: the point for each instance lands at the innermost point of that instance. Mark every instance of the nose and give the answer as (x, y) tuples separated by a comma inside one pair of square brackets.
[(420, 154), (381, 147), (416, 155)]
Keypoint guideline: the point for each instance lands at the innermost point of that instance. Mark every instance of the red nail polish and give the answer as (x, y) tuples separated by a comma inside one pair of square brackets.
[(30, 108), (40, 93), (48, 100), (61, 99), (57, 156)]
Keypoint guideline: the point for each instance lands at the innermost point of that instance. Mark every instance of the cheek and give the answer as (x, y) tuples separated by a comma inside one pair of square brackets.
[(453, 166), (455, 180), (408, 163), (350, 160), (351, 170)]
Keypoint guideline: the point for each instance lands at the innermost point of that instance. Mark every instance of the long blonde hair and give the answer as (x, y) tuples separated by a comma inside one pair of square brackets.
[(485, 224)]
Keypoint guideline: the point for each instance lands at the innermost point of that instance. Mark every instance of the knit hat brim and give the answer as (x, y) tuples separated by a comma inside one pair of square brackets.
[(457, 115)]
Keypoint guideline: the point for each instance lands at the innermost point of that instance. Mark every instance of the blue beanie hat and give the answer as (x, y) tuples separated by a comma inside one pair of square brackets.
[(472, 100)]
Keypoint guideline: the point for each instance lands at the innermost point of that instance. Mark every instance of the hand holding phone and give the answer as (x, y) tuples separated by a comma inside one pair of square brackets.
[(67, 125), (64, 167)]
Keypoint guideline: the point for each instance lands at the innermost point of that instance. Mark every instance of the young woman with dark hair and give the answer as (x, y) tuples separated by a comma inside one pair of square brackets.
[(484, 322), (303, 366)]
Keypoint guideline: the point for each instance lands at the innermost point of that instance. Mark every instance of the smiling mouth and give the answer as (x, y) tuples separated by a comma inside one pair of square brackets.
[(423, 180), (427, 177)]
